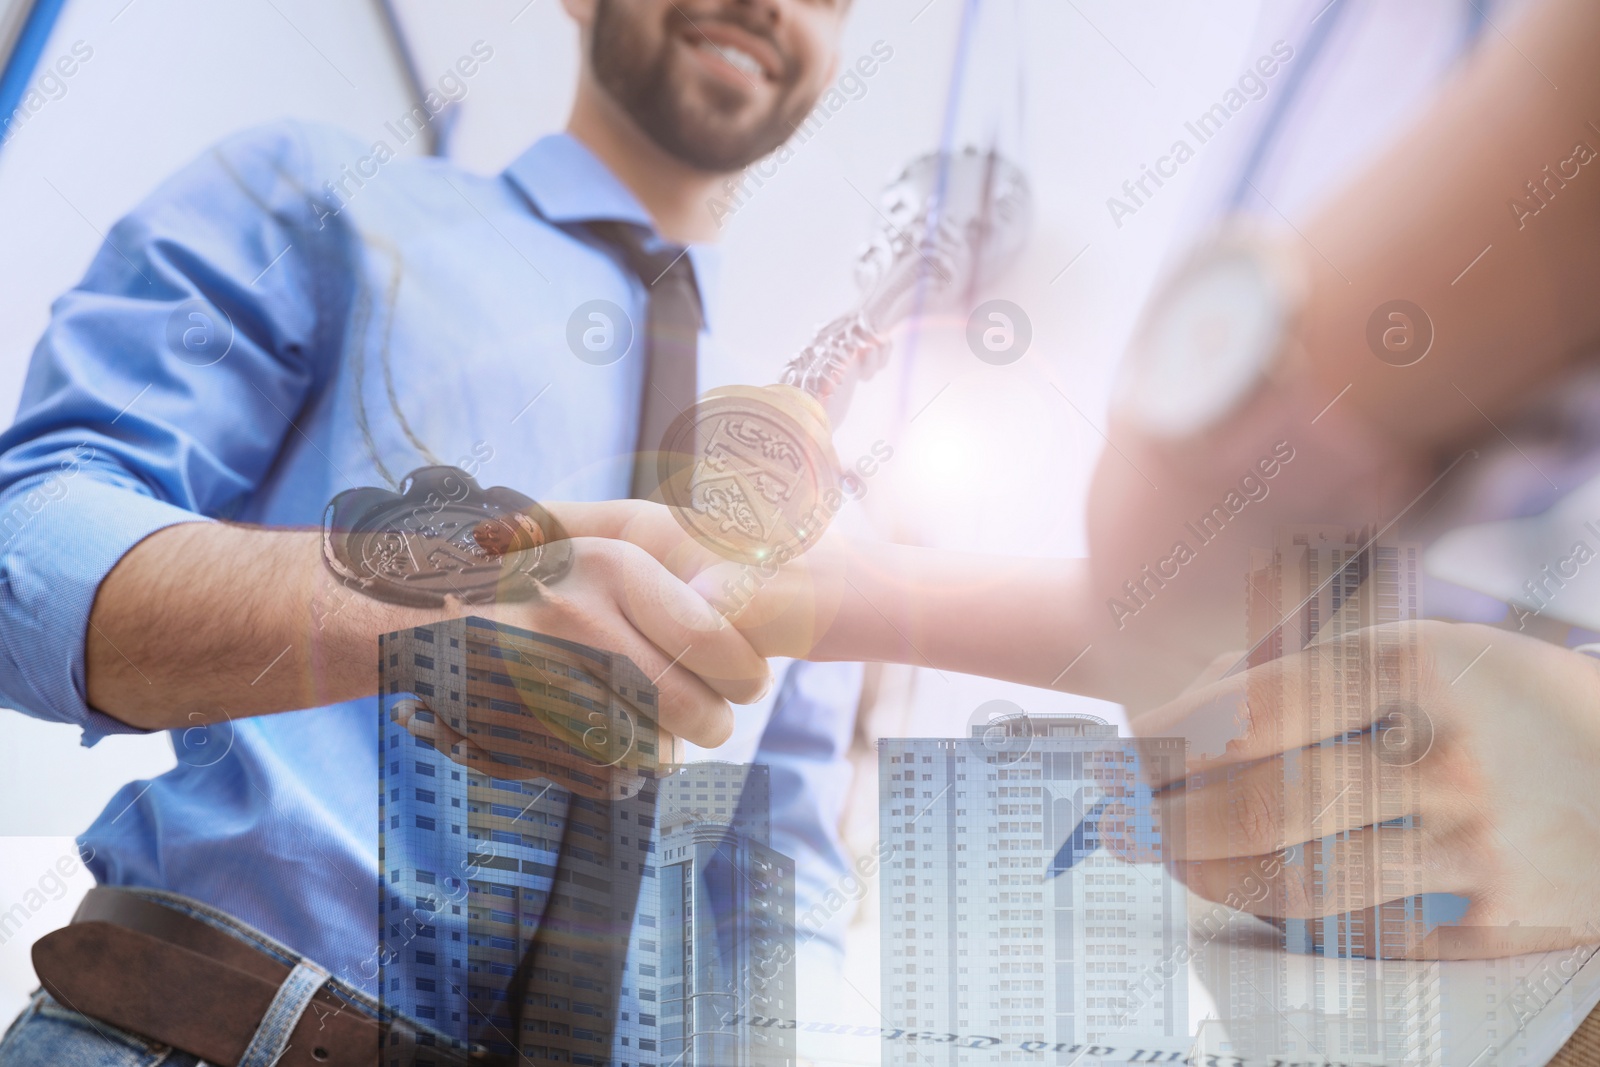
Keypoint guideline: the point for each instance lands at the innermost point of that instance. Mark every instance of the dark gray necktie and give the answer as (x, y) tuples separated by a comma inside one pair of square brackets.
[(671, 337)]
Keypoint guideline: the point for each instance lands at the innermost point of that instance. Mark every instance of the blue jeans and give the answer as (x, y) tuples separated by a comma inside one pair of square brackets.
[(48, 1034)]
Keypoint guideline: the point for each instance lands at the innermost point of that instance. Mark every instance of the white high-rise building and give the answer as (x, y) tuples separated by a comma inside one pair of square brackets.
[(1003, 914)]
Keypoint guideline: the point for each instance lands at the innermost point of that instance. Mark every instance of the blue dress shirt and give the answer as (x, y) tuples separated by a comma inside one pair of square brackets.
[(294, 314)]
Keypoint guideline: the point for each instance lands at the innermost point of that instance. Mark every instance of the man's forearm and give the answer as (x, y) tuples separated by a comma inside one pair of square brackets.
[(1020, 620), (1483, 214), (208, 621)]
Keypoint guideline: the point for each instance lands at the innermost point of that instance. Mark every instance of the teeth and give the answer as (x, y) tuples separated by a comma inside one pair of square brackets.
[(737, 58)]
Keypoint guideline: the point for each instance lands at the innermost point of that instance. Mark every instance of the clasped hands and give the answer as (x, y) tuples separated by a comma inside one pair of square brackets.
[(701, 627)]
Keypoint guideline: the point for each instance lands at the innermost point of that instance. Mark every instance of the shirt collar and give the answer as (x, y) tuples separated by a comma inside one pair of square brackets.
[(566, 183)]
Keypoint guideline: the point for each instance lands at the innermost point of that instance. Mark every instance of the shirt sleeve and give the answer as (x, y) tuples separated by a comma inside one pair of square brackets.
[(160, 393), (806, 747)]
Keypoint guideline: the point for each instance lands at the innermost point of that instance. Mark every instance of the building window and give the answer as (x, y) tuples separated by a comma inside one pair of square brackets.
[(424, 823)]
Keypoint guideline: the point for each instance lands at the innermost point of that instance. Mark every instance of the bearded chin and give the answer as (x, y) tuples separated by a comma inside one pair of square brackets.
[(641, 83)]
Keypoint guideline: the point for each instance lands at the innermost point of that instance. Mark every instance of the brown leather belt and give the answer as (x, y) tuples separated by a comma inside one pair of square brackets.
[(154, 971)]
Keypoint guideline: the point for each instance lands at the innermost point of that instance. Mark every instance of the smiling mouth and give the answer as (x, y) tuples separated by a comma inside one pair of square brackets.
[(735, 57)]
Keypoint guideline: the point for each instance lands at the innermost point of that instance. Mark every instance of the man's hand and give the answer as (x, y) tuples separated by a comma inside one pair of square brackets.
[(207, 621), (620, 599), (1485, 742), (784, 607)]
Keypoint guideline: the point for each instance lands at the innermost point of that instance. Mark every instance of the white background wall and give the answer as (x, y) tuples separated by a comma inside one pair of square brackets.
[(997, 461)]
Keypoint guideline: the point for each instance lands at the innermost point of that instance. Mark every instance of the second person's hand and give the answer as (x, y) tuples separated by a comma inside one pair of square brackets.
[(783, 607), (1421, 757)]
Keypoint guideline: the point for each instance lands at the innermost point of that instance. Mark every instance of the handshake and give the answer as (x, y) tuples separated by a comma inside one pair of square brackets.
[(633, 578), (699, 625)]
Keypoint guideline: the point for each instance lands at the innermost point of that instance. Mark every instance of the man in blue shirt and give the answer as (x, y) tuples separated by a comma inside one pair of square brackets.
[(296, 314)]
